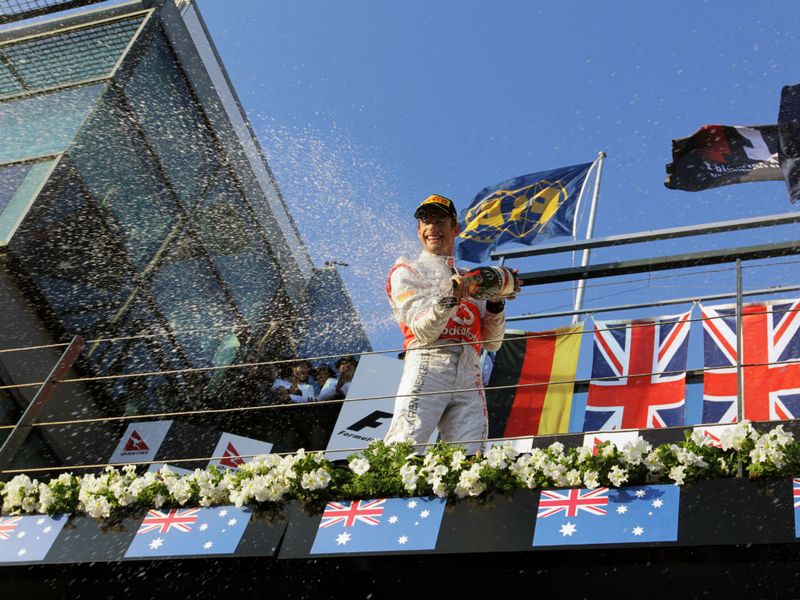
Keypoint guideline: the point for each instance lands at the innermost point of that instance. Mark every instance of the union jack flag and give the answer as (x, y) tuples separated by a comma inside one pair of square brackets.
[(770, 367), (179, 519), (571, 501), (361, 511), (7, 526), (796, 490), (638, 374)]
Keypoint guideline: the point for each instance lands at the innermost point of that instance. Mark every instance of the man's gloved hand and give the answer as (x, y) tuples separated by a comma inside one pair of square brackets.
[(462, 286)]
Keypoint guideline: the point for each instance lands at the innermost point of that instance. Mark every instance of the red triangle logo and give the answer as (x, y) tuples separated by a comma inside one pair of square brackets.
[(135, 444), (595, 447), (231, 457)]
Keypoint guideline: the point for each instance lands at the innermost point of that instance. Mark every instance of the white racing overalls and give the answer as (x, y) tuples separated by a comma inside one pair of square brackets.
[(443, 338)]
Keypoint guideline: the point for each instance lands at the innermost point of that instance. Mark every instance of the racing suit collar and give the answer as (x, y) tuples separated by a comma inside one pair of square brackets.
[(450, 261)]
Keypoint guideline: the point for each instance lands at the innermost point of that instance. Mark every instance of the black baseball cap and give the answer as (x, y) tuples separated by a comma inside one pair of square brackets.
[(439, 202)]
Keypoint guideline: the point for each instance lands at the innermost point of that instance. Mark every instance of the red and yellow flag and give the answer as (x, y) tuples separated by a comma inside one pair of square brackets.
[(542, 366)]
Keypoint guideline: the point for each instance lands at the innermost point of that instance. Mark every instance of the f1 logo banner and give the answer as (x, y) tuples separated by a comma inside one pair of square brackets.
[(361, 421)]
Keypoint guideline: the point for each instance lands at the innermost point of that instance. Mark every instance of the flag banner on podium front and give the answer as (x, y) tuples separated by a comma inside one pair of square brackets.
[(638, 373), (379, 525), (630, 515), (770, 359), (28, 538), (189, 531), (525, 209), (717, 155), (796, 500), (530, 388)]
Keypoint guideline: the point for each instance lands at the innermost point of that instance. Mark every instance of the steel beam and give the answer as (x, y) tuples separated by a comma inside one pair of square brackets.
[(20, 433), (654, 235), (661, 263)]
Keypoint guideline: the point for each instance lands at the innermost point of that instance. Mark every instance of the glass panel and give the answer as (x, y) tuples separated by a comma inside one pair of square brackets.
[(16, 10), (44, 124), (190, 297), (65, 246), (10, 411), (63, 58), (226, 230), (19, 185), (123, 179), (11, 177), (173, 123)]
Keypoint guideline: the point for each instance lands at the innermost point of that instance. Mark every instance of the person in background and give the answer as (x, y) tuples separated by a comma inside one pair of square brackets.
[(290, 378), (336, 389), (321, 374)]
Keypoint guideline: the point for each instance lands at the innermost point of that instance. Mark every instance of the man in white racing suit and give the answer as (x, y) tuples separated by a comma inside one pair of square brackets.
[(444, 331)]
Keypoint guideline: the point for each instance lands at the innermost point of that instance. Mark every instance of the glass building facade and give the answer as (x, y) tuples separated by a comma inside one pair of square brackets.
[(132, 216)]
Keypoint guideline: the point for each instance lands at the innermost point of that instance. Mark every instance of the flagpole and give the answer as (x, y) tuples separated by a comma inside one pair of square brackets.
[(589, 231)]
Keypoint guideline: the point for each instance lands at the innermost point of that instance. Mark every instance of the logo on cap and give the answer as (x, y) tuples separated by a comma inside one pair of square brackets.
[(439, 202)]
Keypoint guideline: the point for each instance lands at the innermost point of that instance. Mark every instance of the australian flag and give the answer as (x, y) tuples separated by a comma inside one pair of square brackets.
[(189, 531), (638, 374), (771, 371), (28, 538), (607, 516), (380, 525), (525, 209)]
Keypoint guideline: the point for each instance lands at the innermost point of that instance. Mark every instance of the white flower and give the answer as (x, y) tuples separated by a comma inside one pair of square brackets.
[(617, 476), (653, 463), (689, 458), (634, 451), (469, 482), (496, 457), (573, 477), (584, 453), (734, 437), (359, 466), (556, 448), (591, 479), (609, 450), (97, 507), (678, 474), (457, 459), (315, 480), (700, 438)]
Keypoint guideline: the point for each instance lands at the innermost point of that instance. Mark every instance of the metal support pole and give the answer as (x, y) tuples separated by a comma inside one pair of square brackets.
[(25, 424), (739, 344), (589, 231)]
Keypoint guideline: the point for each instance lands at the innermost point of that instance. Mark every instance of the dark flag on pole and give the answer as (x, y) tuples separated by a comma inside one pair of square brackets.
[(717, 155), (789, 139)]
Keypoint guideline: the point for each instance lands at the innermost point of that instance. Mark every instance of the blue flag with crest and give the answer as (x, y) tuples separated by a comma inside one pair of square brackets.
[(522, 210)]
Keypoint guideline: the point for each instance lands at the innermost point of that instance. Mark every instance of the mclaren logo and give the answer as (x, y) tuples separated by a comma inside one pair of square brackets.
[(518, 212), (464, 315)]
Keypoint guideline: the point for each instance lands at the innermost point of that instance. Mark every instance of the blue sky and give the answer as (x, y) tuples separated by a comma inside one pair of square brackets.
[(365, 108)]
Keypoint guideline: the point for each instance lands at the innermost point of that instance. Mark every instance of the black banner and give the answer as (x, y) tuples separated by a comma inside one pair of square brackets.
[(717, 155), (789, 134)]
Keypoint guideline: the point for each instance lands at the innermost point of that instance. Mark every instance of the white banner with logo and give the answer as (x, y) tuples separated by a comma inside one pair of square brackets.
[(618, 438), (362, 421), (140, 442), (233, 451)]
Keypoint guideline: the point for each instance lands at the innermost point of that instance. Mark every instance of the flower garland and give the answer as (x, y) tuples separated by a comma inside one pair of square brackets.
[(381, 471)]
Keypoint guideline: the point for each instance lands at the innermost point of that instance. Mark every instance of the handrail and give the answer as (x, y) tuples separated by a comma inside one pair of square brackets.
[(651, 236)]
